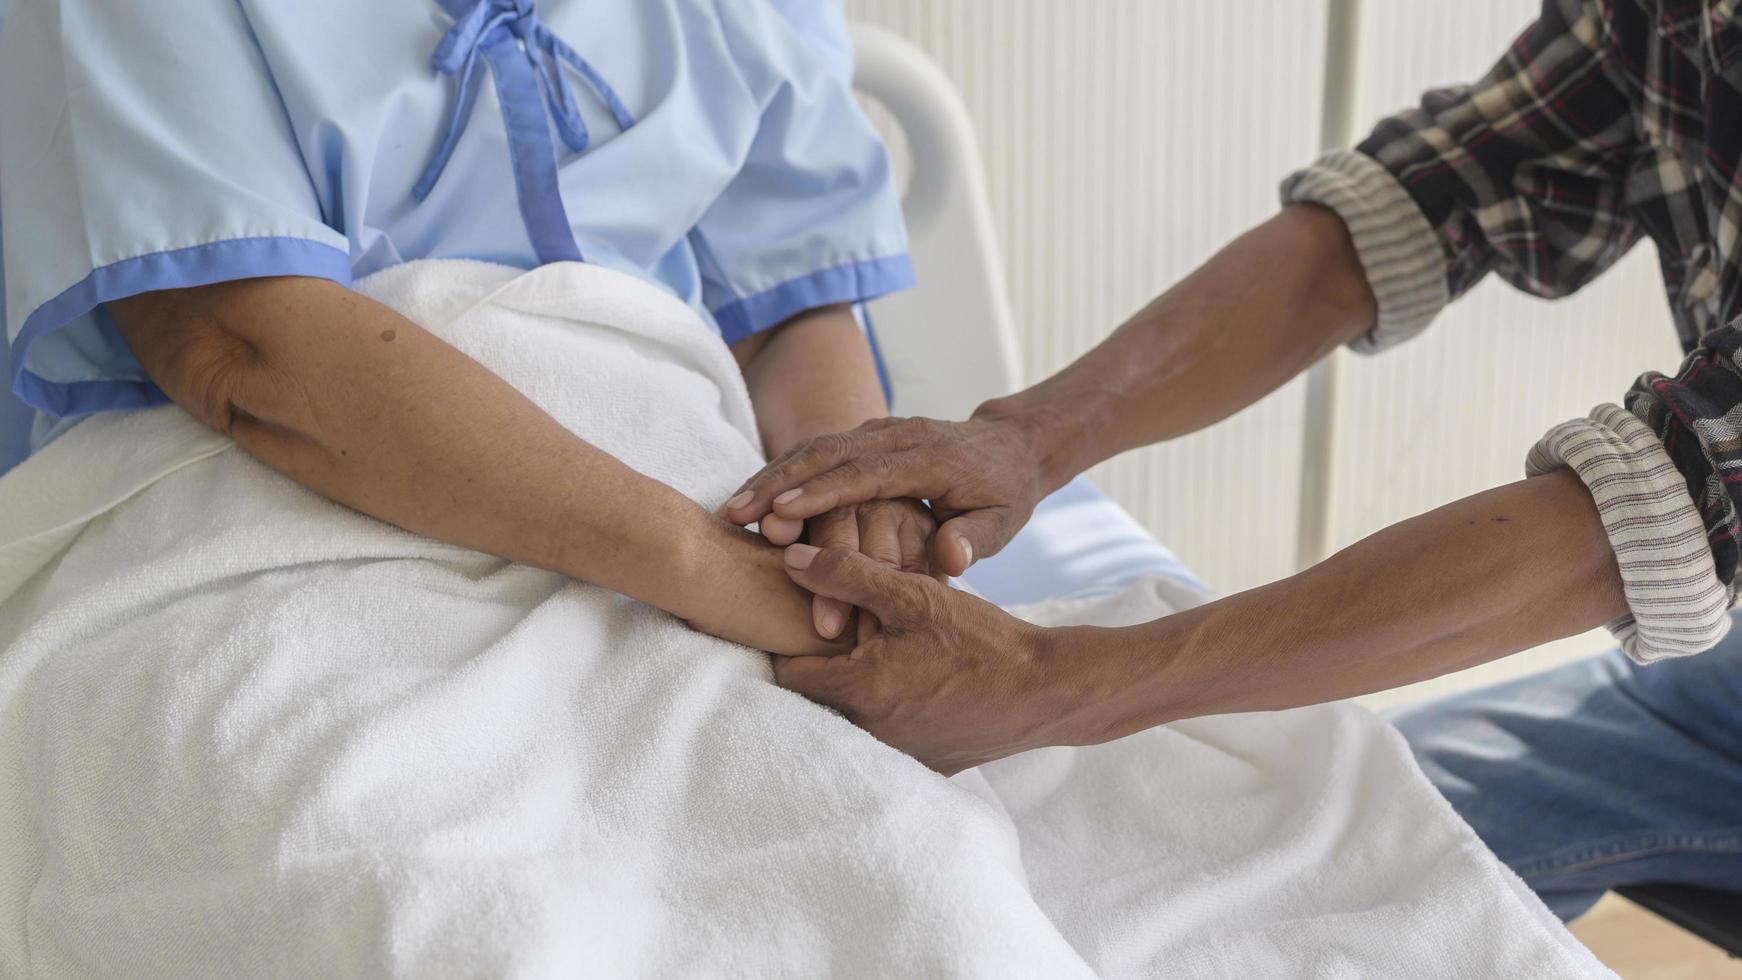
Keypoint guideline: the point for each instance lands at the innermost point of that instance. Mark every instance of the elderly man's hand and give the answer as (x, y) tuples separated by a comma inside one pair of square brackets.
[(983, 478), (950, 679)]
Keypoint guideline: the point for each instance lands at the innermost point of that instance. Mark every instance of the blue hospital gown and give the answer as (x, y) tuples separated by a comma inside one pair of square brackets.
[(708, 146)]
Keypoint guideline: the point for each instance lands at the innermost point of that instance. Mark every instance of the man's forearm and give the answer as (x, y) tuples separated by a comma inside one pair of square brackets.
[(1478, 579), (1254, 316)]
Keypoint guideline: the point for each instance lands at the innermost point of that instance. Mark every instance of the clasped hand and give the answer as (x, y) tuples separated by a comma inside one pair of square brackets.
[(863, 490), (983, 478), (950, 679), (896, 533)]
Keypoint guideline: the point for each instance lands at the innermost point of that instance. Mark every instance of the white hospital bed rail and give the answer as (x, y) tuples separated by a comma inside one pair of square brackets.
[(951, 343)]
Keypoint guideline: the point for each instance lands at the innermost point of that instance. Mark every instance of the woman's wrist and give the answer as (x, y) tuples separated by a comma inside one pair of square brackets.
[(648, 542), (730, 583), (702, 554)]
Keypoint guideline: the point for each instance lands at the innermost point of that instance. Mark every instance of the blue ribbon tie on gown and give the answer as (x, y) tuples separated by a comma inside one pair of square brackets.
[(527, 61)]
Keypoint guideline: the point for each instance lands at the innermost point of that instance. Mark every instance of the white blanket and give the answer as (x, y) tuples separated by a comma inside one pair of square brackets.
[(247, 732)]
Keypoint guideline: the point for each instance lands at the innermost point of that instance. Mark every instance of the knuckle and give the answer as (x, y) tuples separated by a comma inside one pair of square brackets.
[(919, 601), (878, 526), (884, 553), (830, 446), (772, 475), (846, 473), (782, 462), (783, 469), (912, 542), (931, 599), (921, 519), (882, 543), (914, 432)]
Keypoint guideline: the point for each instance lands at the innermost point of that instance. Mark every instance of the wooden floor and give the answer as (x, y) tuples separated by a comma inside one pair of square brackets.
[(1641, 946)]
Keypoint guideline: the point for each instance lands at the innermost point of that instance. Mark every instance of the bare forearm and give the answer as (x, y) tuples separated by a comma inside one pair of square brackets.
[(355, 402), (1254, 316), (1473, 581), (812, 375)]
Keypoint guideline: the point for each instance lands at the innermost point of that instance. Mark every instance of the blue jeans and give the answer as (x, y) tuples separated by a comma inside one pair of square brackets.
[(1598, 774)]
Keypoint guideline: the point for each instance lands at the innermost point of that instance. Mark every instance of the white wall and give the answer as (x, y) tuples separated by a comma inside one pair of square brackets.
[(1126, 139), (1114, 169)]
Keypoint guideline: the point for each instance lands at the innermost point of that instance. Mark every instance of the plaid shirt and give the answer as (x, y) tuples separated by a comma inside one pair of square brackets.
[(1607, 120)]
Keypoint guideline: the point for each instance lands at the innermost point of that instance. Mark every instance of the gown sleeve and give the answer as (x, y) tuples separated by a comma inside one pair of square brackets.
[(813, 217), (140, 150)]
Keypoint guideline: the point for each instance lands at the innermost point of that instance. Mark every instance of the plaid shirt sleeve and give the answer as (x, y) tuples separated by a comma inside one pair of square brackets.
[(1526, 174), (1522, 173)]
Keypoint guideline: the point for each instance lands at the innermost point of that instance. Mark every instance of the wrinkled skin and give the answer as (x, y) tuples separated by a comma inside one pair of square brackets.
[(950, 679), (896, 533), (982, 477)]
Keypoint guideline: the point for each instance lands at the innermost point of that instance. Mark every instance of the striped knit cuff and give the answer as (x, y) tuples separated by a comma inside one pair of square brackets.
[(1398, 249), (1678, 605)]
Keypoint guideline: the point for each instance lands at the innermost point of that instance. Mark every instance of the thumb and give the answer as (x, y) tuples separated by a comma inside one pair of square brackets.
[(968, 537), (892, 595)]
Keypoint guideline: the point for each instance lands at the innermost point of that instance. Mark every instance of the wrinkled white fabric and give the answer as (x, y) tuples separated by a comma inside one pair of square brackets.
[(247, 732)]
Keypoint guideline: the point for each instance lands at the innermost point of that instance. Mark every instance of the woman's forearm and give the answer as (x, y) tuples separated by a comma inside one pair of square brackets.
[(1255, 315), (811, 375), (359, 404), (1473, 581)]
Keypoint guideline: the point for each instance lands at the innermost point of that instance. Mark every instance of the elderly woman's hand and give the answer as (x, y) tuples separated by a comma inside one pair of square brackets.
[(896, 533)]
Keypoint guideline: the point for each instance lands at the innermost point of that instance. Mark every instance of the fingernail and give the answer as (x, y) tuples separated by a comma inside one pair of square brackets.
[(967, 553), (832, 621), (789, 496), (738, 501), (800, 556)]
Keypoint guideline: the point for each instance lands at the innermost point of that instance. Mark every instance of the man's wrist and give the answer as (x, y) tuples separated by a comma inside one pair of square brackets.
[(1055, 696), (1106, 683), (1058, 432)]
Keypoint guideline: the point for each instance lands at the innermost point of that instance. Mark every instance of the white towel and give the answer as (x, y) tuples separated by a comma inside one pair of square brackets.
[(247, 732)]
